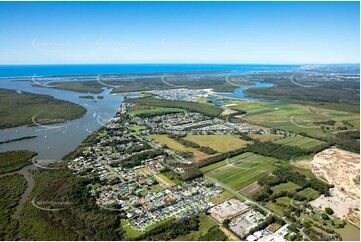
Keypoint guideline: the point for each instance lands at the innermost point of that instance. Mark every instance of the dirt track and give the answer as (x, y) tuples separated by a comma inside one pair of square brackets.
[(342, 169)]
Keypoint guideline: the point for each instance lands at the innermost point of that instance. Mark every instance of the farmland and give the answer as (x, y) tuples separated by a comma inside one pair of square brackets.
[(294, 117), (221, 164), (300, 141), (246, 173), (309, 193)]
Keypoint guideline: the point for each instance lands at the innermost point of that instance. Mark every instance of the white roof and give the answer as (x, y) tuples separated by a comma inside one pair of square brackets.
[(251, 238)]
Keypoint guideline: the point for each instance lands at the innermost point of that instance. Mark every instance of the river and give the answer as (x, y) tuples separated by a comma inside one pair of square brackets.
[(349, 233), (54, 141)]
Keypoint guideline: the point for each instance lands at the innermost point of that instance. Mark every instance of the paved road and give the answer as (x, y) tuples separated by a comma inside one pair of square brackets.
[(237, 194)]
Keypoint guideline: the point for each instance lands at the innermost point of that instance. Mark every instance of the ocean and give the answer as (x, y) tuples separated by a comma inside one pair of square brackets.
[(79, 69)]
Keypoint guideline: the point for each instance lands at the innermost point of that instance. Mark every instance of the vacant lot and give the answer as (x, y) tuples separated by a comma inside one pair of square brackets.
[(174, 145), (289, 186), (300, 141), (221, 143), (244, 174), (137, 128)]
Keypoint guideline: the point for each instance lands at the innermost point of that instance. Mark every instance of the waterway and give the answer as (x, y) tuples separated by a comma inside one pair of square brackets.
[(239, 92), (349, 233), (54, 141)]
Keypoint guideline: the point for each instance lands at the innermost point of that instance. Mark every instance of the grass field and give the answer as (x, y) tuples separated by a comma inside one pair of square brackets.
[(246, 173), (266, 137), (164, 182), (225, 162), (220, 143), (137, 128), (276, 208), (174, 145), (309, 193), (300, 141), (284, 201), (274, 227), (289, 186)]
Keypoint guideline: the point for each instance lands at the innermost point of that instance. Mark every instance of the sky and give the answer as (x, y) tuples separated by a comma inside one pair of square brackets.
[(179, 32)]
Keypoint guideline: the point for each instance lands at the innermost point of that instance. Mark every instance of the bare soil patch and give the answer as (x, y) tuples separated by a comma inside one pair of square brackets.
[(342, 169)]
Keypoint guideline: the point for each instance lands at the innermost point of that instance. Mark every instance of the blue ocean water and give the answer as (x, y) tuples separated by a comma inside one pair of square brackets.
[(78, 69)]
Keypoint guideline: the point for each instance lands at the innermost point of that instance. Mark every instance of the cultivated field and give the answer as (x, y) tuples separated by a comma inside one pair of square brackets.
[(251, 189), (244, 174), (221, 164), (294, 117), (309, 193), (300, 141)]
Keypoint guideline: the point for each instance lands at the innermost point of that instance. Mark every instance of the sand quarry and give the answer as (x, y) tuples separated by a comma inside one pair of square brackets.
[(342, 169)]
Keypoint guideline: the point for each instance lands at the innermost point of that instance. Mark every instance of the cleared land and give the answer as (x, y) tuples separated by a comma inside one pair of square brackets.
[(244, 174), (251, 189), (220, 143), (137, 128), (300, 141), (174, 145), (342, 169)]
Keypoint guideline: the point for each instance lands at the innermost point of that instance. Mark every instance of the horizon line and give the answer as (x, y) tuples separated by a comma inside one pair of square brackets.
[(180, 63)]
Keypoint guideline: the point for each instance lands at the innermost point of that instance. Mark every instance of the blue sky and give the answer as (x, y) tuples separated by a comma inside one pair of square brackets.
[(179, 32)]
